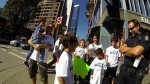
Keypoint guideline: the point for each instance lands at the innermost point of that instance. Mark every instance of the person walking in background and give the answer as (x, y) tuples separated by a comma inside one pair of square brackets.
[(136, 50), (47, 43), (112, 57), (98, 68), (91, 52), (81, 52), (64, 67), (56, 50), (37, 36), (92, 47)]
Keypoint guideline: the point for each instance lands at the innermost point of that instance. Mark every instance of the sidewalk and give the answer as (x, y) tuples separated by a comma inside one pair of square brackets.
[(22, 77)]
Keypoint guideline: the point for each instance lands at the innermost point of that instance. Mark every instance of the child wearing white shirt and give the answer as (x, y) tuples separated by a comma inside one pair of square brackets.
[(64, 66), (98, 67), (81, 50)]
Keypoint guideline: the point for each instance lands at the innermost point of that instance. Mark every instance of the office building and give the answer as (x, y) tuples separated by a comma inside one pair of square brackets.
[(109, 18), (49, 10), (74, 20)]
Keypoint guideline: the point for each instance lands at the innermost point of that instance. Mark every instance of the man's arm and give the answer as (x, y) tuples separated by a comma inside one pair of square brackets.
[(61, 80), (132, 51), (38, 46)]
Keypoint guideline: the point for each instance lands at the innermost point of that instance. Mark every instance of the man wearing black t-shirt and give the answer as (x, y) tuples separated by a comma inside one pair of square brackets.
[(136, 50)]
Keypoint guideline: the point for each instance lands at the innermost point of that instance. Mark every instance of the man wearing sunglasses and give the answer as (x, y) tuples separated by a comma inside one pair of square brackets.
[(136, 50)]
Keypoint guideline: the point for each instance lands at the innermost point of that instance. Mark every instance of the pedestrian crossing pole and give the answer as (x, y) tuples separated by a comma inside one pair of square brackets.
[(125, 25)]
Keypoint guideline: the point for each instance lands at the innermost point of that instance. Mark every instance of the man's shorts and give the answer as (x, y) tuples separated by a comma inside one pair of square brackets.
[(33, 68), (111, 72)]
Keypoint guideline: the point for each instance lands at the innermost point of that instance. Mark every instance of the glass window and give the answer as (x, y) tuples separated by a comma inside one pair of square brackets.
[(142, 7), (132, 5), (137, 6), (147, 7)]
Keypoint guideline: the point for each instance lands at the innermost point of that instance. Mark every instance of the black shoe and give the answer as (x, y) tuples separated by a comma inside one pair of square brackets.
[(26, 63), (41, 64)]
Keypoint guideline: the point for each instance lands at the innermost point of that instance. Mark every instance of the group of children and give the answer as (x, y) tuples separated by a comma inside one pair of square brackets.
[(64, 67)]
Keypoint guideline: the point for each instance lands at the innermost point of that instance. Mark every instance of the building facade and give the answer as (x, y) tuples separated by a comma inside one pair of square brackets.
[(109, 18), (74, 20), (49, 10)]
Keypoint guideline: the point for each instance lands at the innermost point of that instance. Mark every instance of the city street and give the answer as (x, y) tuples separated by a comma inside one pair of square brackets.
[(13, 71)]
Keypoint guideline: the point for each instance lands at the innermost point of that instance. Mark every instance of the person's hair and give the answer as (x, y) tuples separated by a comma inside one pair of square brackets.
[(60, 35), (114, 39), (136, 22), (99, 51), (68, 39), (95, 35), (81, 40)]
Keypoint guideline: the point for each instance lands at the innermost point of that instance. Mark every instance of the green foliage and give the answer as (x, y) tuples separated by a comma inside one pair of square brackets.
[(20, 12)]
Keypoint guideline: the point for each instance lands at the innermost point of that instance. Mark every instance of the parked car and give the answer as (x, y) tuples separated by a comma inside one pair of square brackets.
[(17, 43), (25, 46)]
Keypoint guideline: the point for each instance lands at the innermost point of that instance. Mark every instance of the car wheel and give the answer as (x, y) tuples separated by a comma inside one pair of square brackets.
[(17, 45)]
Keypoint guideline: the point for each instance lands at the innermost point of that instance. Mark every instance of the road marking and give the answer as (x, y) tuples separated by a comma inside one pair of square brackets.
[(7, 47), (3, 49), (14, 49), (23, 53), (16, 55)]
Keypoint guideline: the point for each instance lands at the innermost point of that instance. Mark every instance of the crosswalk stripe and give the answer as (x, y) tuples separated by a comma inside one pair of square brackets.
[(23, 53), (16, 55), (14, 49), (3, 49)]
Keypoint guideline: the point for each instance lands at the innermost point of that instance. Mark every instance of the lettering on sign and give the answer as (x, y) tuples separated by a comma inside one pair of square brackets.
[(145, 20)]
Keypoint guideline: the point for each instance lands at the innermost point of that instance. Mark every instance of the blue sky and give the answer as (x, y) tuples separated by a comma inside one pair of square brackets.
[(82, 22), (2, 3)]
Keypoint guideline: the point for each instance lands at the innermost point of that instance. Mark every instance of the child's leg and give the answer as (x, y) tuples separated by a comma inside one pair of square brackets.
[(41, 54), (29, 53)]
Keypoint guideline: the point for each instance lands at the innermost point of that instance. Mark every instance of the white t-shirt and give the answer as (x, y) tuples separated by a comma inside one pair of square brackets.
[(81, 52), (92, 47), (99, 67), (64, 68), (61, 47), (47, 40), (113, 55), (56, 47)]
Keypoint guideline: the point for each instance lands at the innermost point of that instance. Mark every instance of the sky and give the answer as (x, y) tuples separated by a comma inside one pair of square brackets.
[(2, 3), (82, 22)]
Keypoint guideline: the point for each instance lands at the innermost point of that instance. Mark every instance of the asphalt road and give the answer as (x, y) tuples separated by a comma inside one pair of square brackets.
[(13, 71)]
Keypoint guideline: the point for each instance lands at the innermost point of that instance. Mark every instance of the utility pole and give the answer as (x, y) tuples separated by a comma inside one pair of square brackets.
[(125, 26)]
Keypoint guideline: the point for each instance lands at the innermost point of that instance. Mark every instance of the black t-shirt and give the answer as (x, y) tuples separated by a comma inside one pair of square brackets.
[(134, 41)]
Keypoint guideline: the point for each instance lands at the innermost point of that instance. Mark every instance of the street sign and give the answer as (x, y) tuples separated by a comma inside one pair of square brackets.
[(59, 20)]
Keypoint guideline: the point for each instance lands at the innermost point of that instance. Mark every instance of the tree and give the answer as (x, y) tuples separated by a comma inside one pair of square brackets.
[(20, 12)]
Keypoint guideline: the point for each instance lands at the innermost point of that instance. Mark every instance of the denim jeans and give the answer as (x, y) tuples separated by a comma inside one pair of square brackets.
[(29, 53)]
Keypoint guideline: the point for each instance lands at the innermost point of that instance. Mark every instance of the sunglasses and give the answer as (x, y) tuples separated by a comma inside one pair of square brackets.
[(131, 28)]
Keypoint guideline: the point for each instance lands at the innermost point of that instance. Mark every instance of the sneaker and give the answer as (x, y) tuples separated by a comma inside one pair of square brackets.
[(41, 64), (26, 63)]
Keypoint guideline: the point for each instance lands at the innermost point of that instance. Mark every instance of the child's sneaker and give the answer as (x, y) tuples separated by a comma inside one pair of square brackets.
[(41, 64), (26, 63)]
